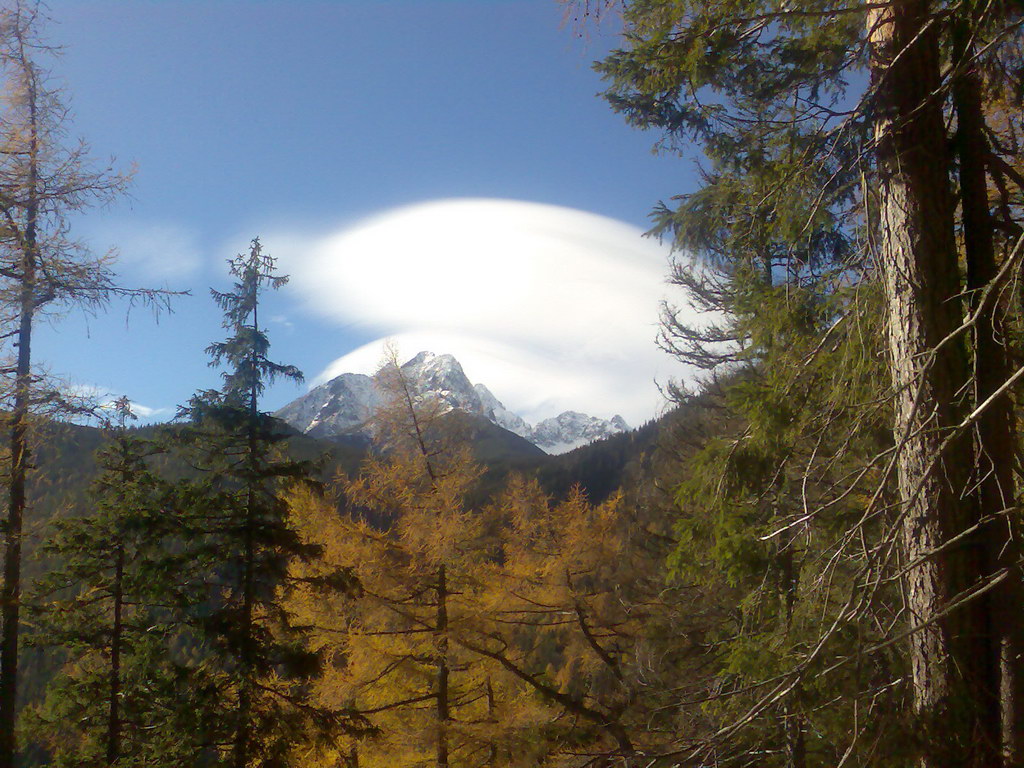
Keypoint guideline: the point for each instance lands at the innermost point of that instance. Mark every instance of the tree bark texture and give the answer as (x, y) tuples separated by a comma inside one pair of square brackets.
[(10, 596), (953, 677), (994, 433), (113, 703), (443, 713)]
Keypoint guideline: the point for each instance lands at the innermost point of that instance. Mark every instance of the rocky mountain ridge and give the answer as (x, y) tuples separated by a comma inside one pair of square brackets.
[(344, 405)]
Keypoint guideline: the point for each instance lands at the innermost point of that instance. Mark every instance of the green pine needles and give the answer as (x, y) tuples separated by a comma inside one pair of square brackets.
[(112, 604), (239, 537), (168, 601)]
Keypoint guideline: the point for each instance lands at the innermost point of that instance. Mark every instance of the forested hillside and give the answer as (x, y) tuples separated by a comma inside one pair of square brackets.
[(859, 229), (81, 518), (811, 559)]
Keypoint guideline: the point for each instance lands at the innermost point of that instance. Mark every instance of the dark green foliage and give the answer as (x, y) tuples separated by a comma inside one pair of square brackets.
[(108, 605), (239, 542), (601, 468), (602, 465), (773, 503), (162, 706)]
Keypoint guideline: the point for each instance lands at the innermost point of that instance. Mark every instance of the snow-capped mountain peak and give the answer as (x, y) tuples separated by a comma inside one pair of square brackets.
[(442, 377), (497, 413), (572, 429), (345, 404)]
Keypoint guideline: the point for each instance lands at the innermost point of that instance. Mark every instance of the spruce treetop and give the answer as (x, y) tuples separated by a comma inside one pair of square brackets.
[(245, 352)]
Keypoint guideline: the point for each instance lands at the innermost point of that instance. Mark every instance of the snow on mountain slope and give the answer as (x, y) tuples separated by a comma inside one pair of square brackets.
[(343, 405), (443, 377), (572, 429), (497, 413)]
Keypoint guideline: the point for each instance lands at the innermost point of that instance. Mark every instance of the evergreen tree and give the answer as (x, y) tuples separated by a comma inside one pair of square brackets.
[(240, 541), (109, 604), (827, 207)]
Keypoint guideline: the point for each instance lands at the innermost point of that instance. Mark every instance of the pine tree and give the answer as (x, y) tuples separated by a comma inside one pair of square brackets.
[(842, 199), (110, 604), (240, 541)]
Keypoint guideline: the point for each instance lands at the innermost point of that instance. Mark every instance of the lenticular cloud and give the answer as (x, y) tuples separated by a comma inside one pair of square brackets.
[(550, 307)]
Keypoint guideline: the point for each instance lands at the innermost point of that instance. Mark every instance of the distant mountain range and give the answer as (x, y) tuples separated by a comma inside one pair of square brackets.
[(343, 406)]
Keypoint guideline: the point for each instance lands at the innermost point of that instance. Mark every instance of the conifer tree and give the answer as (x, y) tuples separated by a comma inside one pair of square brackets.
[(568, 608), (859, 195), (806, 419), (384, 649), (555, 613), (240, 541), (395, 662), (110, 605)]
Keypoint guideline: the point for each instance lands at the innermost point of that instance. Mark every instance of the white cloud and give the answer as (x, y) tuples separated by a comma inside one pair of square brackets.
[(145, 413), (552, 308), (284, 321), (156, 250)]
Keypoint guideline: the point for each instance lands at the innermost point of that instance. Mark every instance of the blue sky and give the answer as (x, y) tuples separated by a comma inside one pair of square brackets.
[(336, 131)]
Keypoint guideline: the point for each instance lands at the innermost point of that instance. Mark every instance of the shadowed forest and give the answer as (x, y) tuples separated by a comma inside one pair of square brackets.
[(813, 559)]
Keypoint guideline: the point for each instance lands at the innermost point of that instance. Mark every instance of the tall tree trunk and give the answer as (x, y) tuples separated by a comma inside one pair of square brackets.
[(240, 754), (240, 758), (10, 596), (245, 684), (114, 710), (492, 719), (443, 713), (995, 434), (793, 721), (954, 681)]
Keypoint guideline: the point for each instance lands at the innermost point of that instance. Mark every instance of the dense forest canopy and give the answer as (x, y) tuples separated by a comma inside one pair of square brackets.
[(812, 560), (859, 239)]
